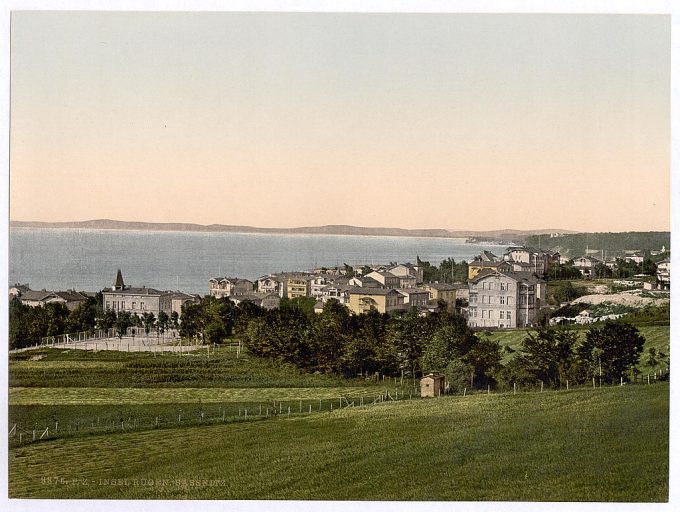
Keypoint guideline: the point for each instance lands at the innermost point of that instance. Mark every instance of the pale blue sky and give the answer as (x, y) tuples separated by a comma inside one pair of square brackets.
[(282, 119)]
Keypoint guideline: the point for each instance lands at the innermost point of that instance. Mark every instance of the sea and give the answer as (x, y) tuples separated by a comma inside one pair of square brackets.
[(87, 259)]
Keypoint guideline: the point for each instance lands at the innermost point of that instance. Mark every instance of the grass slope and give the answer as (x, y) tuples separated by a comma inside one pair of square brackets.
[(609, 444)]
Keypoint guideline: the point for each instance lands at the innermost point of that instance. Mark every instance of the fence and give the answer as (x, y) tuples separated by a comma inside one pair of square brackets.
[(134, 340), (154, 417)]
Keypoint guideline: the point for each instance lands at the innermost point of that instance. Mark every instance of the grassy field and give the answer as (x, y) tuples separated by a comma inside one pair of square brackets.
[(80, 368), (655, 336), (608, 444), (80, 393)]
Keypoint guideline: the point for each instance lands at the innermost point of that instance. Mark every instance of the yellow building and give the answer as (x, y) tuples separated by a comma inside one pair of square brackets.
[(443, 291), (298, 287), (362, 300)]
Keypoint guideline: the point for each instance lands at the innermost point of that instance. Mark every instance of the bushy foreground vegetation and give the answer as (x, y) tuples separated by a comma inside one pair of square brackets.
[(605, 444)]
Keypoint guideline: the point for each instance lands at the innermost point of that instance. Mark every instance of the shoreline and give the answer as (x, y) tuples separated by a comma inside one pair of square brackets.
[(201, 232)]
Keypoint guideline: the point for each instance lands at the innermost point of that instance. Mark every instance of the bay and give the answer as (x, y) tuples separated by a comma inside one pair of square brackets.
[(87, 260)]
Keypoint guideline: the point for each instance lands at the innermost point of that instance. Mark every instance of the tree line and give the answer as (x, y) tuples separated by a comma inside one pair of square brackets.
[(335, 341), (28, 324)]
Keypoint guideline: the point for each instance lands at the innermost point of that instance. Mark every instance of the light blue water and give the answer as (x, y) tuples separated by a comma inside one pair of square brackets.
[(59, 259)]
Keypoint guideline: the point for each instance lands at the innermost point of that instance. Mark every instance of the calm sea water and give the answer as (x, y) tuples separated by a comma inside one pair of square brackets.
[(59, 259)]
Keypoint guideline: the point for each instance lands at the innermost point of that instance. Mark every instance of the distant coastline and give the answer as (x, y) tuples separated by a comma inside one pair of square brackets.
[(504, 234)]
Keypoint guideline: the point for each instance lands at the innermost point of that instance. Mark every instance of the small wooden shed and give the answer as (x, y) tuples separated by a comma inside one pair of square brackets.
[(432, 384)]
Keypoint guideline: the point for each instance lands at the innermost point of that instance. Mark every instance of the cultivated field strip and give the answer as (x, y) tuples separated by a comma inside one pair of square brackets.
[(136, 396)]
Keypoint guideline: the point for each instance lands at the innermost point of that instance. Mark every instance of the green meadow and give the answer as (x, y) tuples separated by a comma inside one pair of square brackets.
[(605, 444), (139, 425)]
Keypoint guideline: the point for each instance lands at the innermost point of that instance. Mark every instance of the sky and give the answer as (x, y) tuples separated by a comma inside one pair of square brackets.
[(458, 121)]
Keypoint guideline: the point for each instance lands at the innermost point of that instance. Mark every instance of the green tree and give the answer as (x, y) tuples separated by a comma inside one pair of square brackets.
[(123, 321), (19, 324), (548, 356), (193, 321), (611, 350), (149, 320), (162, 322), (565, 291)]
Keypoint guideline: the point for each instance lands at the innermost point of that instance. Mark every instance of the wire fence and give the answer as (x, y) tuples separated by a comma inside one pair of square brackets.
[(118, 419)]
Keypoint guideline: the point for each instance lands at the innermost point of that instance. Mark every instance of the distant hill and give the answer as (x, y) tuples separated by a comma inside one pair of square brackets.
[(339, 229), (612, 244)]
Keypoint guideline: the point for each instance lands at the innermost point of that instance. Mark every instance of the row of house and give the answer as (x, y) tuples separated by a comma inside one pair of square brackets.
[(386, 289)]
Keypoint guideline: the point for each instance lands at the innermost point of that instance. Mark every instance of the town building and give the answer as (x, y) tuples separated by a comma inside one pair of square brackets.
[(335, 291), (35, 298), (136, 300), (70, 298), (270, 284), (179, 300), (442, 291), (287, 285), (229, 286), (634, 256), (414, 297), (362, 300), (408, 269), (586, 265), (663, 273), (386, 279), (298, 286), (540, 260), (505, 300)]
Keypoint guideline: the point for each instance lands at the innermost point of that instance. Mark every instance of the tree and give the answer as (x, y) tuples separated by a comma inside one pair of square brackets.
[(565, 291), (105, 319), (174, 320), (83, 317), (648, 267), (611, 350), (193, 321), (19, 324), (123, 321), (602, 271), (548, 356), (162, 322), (148, 319)]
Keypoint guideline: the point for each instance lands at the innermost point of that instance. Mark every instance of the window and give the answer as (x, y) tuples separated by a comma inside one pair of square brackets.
[(491, 313), (501, 316), (108, 305), (134, 305), (491, 287), (509, 300), (502, 300), (531, 299), (509, 286), (483, 313), (502, 287), (142, 306), (508, 315), (122, 305)]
